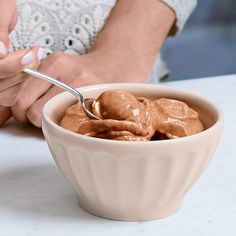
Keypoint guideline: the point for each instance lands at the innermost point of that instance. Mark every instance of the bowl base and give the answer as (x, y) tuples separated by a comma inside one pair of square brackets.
[(154, 214)]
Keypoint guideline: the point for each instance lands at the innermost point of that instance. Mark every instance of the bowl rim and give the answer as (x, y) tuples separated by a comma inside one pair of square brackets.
[(188, 93)]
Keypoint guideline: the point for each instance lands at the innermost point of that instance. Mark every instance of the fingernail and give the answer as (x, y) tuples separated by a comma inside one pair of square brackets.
[(27, 59), (3, 49), (41, 54)]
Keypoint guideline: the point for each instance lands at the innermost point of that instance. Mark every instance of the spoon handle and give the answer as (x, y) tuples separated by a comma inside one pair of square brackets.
[(55, 82), (64, 87)]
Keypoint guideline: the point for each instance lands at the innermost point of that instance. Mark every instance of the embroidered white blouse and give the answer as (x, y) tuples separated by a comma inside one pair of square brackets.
[(72, 25)]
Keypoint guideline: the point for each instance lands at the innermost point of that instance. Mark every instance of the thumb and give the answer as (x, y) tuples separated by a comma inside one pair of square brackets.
[(4, 42), (6, 18), (3, 48)]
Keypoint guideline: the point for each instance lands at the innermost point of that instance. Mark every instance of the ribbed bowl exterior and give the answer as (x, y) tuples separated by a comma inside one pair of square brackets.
[(131, 181)]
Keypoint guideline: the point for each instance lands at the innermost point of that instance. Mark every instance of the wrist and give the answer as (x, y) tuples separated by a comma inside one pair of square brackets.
[(107, 66), (121, 63)]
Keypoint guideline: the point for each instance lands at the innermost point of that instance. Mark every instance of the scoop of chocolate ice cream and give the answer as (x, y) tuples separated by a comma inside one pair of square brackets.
[(77, 121), (125, 117), (175, 118)]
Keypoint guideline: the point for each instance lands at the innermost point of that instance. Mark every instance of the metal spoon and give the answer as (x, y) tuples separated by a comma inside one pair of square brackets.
[(85, 102)]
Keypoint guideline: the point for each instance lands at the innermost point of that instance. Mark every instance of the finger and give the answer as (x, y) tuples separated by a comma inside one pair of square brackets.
[(14, 20), (11, 81), (3, 49), (25, 98), (14, 62), (10, 87), (32, 90), (5, 114), (6, 17), (8, 97), (35, 111), (52, 66)]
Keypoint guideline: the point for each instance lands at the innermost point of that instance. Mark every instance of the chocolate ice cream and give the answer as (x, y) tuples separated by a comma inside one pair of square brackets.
[(125, 117)]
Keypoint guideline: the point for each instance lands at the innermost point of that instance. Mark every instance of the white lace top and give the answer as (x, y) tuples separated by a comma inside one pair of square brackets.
[(72, 25)]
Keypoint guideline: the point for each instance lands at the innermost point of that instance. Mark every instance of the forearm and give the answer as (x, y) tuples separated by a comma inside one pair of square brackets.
[(132, 37)]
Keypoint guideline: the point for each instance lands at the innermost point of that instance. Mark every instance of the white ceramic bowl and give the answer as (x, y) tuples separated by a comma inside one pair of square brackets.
[(132, 181)]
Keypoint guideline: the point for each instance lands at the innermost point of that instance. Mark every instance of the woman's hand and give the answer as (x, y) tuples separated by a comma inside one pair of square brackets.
[(124, 52), (8, 20), (75, 71), (11, 79)]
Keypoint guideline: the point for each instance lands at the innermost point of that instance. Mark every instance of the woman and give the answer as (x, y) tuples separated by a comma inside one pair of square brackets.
[(131, 33)]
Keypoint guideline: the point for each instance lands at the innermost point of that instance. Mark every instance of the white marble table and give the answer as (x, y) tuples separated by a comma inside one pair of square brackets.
[(36, 200)]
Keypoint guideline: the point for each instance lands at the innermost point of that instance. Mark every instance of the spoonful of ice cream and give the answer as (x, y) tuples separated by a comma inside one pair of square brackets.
[(84, 102)]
